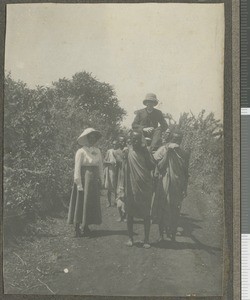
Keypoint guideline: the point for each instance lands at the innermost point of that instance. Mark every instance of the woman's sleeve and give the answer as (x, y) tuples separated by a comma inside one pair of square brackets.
[(101, 173), (77, 173)]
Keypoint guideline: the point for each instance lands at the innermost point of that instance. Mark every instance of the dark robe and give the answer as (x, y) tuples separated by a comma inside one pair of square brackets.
[(172, 168), (138, 185)]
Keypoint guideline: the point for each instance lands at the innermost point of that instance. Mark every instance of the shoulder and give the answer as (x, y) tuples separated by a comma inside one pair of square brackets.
[(160, 152), (80, 152), (99, 151), (157, 111), (141, 111)]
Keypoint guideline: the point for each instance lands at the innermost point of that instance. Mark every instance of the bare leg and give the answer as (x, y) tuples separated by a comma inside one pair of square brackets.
[(130, 221), (120, 214), (146, 232), (109, 199), (161, 230), (77, 230)]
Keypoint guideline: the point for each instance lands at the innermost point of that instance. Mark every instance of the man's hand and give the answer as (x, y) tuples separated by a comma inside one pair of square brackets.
[(148, 129), (79, 187), (173, 145)]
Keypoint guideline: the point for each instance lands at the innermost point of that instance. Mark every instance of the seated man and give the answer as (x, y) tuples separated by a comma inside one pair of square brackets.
[(148, 119), (138, 187)]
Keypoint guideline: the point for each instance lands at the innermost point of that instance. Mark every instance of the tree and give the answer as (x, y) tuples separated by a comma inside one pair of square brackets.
[(41, 127)]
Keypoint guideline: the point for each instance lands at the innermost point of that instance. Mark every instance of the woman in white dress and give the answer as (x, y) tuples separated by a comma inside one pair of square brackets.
[(85, 208)]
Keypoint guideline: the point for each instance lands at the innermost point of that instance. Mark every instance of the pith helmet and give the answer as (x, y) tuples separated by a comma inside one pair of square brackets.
[(151, 97), (82, 139)]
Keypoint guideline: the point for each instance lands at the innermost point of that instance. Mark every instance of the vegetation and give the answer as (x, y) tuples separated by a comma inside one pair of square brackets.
[(203, 139), (41, 126)]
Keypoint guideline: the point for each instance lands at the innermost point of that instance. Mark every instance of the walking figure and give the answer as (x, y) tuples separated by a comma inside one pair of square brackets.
[(120, 171), (110, 172), (138, 187), (171, 186), (85, 208)]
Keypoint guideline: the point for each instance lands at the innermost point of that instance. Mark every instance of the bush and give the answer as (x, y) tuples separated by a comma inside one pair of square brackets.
[(41, 127), (203, 139)]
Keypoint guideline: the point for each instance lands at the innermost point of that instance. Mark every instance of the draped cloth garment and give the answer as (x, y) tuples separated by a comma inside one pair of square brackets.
[(138, 187), (171, 184), (110, 171)]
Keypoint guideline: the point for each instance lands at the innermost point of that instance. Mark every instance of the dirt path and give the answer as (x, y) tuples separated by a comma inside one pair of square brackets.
[(103, 265)]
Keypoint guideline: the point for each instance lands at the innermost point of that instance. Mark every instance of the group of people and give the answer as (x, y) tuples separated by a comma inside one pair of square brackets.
[(147, 173)]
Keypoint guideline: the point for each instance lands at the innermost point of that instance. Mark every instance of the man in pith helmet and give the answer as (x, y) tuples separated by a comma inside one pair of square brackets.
[(150, 121)]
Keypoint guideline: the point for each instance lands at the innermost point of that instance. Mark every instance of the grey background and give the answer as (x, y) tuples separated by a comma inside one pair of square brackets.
[(231, 141)]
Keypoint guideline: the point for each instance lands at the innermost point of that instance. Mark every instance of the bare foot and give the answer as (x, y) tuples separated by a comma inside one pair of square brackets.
[(146, 245), (130, 243), (119, 220)]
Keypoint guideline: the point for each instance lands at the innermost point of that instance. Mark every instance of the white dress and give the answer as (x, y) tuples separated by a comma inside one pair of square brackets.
[(87, 156), (85, 207)]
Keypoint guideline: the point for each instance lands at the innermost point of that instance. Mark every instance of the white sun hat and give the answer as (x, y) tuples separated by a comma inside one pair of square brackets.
[(82, 139)]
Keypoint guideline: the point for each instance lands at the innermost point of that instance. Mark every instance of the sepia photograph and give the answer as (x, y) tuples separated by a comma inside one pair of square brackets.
[(113, 167)]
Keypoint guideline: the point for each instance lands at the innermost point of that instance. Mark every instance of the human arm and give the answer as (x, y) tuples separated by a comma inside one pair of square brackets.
[(150, 161), (107, 160), (163, 160), (186, 170), (136, 125), (77, 171), (162, 121)]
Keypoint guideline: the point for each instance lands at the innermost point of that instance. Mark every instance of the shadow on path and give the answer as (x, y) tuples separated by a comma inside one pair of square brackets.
[(101, 233), (188, 225)]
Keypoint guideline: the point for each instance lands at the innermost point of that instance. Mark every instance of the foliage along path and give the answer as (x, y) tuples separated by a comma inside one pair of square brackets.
[(57, 263)]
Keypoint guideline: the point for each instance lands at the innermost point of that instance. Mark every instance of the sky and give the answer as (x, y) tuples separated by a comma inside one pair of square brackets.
[(173, 50)]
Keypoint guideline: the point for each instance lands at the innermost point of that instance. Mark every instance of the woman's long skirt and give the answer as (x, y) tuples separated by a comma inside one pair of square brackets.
[(85, 207)]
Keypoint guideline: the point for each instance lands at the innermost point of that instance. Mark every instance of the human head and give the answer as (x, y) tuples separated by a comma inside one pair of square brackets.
[(177, 136), (136, 139), (122, 141), (92, 138), (89, 137), (128, 141), (166, 136), (150, 100), (115, 144)]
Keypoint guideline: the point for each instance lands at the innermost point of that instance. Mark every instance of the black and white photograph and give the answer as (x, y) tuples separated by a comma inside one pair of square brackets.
[(113, 167)]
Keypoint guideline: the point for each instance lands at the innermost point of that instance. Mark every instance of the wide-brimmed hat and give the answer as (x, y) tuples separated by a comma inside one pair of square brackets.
[(82, 139), (151, 97)]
